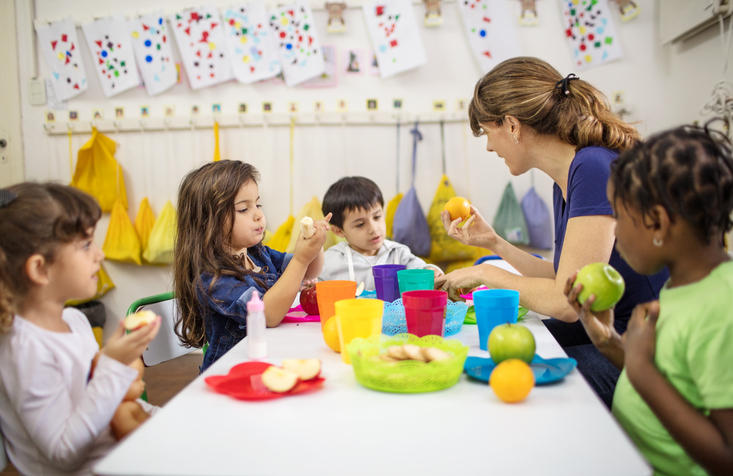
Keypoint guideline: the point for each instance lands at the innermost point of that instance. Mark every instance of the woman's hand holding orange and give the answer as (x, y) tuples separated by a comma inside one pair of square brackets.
[(475, 232)]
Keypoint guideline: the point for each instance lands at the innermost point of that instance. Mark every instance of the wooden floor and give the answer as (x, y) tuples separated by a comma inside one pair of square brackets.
[(163, 382)]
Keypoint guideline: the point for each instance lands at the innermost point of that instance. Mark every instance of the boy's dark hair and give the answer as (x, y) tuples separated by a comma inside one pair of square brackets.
[(687, 170), (350, 194), (41, 218)]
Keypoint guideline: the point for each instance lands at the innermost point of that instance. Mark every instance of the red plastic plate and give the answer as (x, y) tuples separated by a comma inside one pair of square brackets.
[(244, 382)]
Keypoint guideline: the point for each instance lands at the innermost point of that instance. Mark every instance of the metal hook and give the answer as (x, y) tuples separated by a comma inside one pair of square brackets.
[(117, 125), (142, 125), (192, 122), (48, 128), (166, 123)]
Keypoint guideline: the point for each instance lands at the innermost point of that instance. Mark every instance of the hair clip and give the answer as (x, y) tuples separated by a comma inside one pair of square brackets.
[(6, 197), (564, 83)]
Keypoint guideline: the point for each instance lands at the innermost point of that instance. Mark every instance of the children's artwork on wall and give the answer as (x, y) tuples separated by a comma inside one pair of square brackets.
[(393, 30), (490, 31), (200, 37), (433, 15), (151, 42), (251, 44), (328, 78), (528, 16), (590, 32), (60, 47), (353, 62), (112, 54), (628, 9), (297, 42), (335, 22)]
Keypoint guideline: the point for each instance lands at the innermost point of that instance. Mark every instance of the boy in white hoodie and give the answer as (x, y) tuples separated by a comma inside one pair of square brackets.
[(357, 206)]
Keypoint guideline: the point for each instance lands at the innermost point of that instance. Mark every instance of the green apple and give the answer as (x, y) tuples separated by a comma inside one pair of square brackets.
[(602, 280), (511, 341)]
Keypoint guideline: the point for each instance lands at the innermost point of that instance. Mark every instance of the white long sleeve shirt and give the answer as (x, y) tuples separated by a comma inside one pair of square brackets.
[(54, 419), (341, 262)]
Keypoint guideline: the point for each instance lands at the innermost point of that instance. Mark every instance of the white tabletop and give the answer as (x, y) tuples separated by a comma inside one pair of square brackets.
[(346, 429)]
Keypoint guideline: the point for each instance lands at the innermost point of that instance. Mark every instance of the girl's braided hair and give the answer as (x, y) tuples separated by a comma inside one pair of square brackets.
[(687, 170)]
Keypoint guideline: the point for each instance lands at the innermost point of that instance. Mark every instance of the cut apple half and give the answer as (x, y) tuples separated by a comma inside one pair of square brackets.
[(279, 380), (306, 369), (140, 319)]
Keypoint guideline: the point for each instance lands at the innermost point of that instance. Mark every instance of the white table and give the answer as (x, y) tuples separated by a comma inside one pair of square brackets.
[(346, 429)]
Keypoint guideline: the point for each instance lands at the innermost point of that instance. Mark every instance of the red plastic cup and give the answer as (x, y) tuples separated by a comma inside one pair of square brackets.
[(425, 312)]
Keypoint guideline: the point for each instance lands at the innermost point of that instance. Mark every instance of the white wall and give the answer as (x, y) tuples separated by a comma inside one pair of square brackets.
[(663, 86)]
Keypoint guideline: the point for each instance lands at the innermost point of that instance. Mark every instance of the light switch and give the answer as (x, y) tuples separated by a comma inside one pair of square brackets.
[(37, 92)]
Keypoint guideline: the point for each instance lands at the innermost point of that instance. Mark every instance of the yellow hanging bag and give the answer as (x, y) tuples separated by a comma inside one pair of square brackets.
[(144, 222), (121, 242), (389, 213), (217, 154), (445, 248), (162, 237), (98, 173), (281, 238)]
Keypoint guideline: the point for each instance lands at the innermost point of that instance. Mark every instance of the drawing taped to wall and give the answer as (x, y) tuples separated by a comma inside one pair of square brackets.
[(490, 31), (60, 47), (250, 43), (328, 78), (297, 43), (590, 32), (151, 43), (112, 54)]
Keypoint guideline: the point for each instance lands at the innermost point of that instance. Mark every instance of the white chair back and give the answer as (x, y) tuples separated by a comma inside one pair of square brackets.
[(166, 345)]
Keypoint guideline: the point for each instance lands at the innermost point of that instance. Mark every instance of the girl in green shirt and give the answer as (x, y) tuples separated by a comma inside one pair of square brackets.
[(672, 197)]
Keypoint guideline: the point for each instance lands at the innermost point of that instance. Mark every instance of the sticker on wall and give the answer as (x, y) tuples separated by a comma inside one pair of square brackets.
[(297, 43), (112, 54), (590, 32), (151, 43), (328, 78), (490, 31), (251, 44), (393, 30), (60, 47), (200, 37)]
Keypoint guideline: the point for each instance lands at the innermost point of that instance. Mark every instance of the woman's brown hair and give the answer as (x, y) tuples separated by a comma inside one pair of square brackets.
[(205, 218), (37, 218), (525, 87)]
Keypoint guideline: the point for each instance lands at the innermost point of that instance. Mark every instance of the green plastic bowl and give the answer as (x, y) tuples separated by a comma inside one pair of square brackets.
[(407, 376), (471, 315)]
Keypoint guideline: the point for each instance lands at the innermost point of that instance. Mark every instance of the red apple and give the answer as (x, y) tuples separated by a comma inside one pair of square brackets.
[(306, 369), (309, 301), (279, 380)]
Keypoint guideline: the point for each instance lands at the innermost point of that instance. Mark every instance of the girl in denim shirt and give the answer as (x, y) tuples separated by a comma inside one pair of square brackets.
[(220, 259)]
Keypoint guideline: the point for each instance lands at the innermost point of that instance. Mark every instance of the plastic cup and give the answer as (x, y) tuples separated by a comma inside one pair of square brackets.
[(385, 281), (357, 318), (494, 307), (425, 312), (416, 280), (328, 292)]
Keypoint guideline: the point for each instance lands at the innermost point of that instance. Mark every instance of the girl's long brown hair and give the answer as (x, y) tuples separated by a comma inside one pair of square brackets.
[(205, 218), (42, 217), (524, 87)]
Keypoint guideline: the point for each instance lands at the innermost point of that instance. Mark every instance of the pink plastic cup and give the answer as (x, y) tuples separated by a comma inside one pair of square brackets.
[(425, 312)]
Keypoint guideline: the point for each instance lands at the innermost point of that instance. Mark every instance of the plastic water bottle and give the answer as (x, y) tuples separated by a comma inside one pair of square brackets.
[(256, 325)]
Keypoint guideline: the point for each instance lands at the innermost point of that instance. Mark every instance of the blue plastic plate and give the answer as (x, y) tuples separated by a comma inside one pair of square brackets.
[(545, 370)]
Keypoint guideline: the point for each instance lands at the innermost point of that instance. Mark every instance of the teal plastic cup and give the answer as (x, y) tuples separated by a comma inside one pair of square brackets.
[(416, 280), (493, 308)]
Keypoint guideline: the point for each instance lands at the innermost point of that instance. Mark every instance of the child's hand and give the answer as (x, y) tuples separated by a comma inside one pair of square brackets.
[(476, 231), (437, 272), (598, 325), (306, 250), (640, 337), (126, 348)]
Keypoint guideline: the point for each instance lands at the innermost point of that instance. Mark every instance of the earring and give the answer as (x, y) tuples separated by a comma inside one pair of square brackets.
[(515, 139), (657, 242)]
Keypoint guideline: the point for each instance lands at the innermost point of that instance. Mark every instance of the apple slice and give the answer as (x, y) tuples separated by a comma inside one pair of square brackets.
[(306, 369), (140, 319), (279, 380), (307, 228)]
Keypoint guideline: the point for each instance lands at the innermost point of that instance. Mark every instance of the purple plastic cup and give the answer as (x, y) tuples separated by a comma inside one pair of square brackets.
[(385, 281)]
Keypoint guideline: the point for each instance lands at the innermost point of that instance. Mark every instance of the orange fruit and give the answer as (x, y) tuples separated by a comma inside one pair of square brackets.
[(331, 334), (512, 380), (458, 207)]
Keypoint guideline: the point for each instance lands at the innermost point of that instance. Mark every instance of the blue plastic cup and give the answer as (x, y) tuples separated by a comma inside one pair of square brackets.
[(494, 307), (385, 281)]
